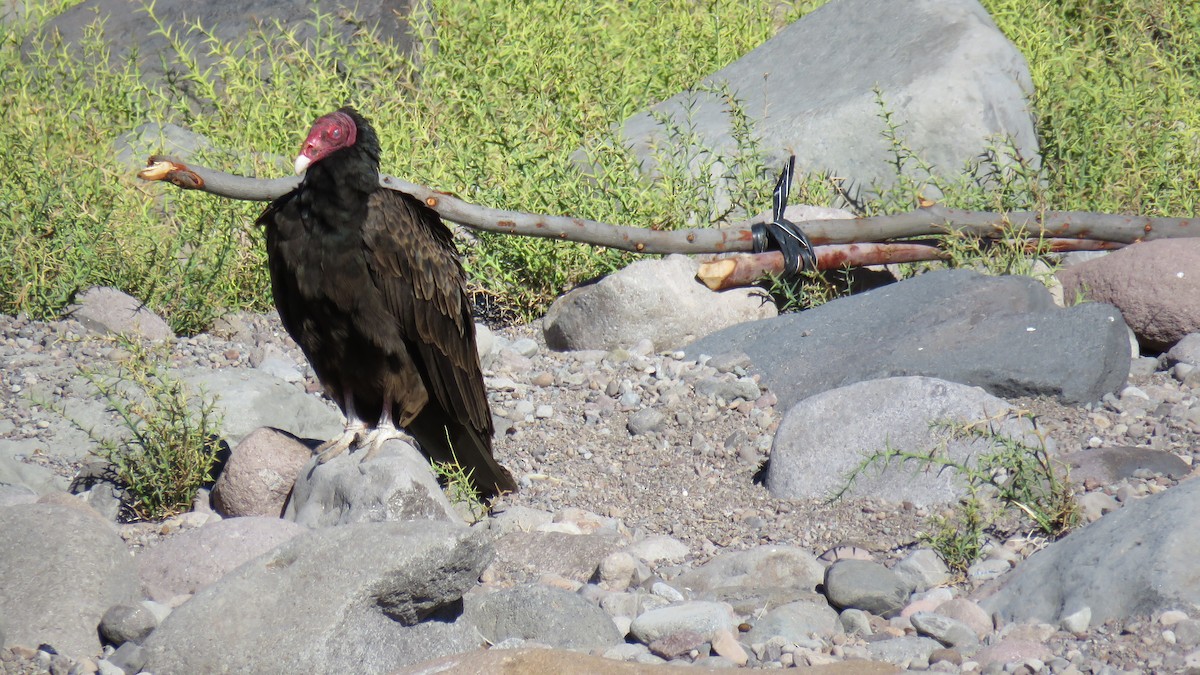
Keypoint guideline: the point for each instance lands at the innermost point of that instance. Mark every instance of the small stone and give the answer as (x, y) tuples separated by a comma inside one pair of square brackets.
[(677, 644), (855, 621), (922, 569), (727, 646), (945, 630), (986, 570), (1077, 621), (947, 655), (705, 618), (645, 421), (869, 586), (617, 570), (1172, 617), (666, 592), (127, 623)]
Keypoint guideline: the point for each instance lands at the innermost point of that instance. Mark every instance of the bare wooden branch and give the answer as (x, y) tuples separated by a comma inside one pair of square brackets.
[(840, 242), (449, 207), (747, 268)]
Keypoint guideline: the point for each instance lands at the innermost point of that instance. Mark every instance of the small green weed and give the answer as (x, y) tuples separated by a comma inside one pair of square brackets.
[(456, 481), (172, 438), (959, 536), (1018, 475)]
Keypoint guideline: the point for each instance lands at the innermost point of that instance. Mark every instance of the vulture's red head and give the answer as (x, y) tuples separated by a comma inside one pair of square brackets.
[(330, 133)]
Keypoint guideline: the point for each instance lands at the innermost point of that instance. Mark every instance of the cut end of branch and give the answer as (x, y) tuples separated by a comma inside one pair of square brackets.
[(166, 169), (714, 274), (157, 169)]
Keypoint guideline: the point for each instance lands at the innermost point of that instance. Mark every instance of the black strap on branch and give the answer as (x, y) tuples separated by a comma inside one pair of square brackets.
[(782, 234)]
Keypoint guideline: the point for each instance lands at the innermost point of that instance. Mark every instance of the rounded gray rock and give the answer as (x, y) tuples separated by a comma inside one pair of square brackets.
[(865, 585), (127, 623), (705, 618), (950, 632)]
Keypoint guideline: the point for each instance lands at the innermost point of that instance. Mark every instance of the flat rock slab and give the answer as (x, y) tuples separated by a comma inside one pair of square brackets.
[(1001, 333), (194, 559), (106, 310), (349, 599), (248, 398), (546, 615), (61, 568), (524, 556), (655, 299), (1110, 465), (1138, 560)]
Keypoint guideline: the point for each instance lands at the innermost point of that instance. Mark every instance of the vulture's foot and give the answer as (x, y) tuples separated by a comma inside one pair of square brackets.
[(386, 431), (353, 435)]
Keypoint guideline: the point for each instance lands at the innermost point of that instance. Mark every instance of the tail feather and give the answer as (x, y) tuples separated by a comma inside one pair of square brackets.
[(451, 441)]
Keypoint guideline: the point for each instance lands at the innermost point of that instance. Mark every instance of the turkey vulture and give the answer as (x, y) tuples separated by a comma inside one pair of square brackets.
[(368, 282)]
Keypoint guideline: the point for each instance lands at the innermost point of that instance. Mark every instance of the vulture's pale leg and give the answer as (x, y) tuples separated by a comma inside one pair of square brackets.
[(355, 427), (383, 432)]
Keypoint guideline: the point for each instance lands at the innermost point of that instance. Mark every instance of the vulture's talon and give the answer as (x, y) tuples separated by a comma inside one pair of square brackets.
[(334, 447), (381, 435)]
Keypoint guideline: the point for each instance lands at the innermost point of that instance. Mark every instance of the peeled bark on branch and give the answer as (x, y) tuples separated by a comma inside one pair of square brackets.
[(839, 242)]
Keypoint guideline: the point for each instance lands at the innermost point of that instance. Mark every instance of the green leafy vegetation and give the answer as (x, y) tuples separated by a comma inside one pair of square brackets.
[(456, 483), (1012, 477), (495, 111), (169, 450)]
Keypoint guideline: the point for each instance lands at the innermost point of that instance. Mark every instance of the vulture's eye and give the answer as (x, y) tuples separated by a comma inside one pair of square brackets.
[(336, 134)]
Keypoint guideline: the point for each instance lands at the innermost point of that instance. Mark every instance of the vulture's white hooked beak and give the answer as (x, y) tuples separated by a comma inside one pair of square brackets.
[(302, 162)]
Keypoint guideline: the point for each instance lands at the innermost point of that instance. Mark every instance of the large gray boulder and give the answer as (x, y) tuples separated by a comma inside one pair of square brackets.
[(351, 599), (951, 80), (61, 568), (823, 439), (1136, 561), (1004, 334), (656, 299)]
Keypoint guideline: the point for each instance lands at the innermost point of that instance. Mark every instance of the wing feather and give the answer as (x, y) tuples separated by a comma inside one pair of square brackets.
[(413, 262)]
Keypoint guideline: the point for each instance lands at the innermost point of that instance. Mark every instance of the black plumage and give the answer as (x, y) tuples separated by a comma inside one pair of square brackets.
[(368, 282)]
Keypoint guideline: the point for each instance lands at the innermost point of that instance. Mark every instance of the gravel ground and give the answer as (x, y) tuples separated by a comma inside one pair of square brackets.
[(689, 471)]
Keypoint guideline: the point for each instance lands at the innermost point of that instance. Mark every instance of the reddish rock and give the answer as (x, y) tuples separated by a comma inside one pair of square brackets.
[(968, 612), (259, 474), (1155, 284), (677, 644)]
